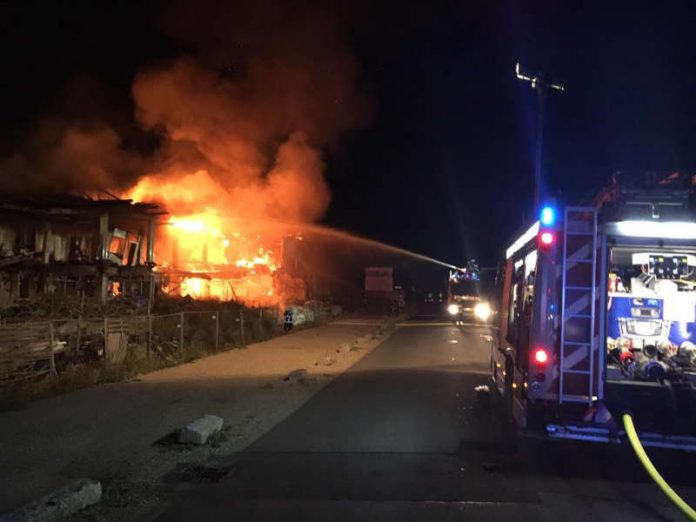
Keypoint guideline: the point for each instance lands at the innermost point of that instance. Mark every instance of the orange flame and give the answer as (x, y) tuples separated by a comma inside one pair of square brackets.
[(204, 252)]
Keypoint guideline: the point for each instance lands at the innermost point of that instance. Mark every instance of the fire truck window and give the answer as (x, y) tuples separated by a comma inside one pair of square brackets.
[(525, 319), (515, 311), (651, 314), (512, 329), (528, 299)]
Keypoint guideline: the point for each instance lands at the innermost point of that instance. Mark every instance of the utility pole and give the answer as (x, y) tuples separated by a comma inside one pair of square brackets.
[(540, 83)]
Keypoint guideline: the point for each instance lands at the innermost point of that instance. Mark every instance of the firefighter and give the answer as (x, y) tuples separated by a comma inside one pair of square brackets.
[(287, 324)]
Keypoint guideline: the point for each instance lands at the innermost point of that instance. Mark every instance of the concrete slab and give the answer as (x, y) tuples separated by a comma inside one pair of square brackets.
[(200, 430)]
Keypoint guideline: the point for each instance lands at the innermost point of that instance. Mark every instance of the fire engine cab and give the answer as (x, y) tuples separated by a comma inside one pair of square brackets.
[(598, 317)]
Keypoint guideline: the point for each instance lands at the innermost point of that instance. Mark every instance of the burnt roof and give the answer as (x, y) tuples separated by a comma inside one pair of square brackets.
[(70, 204)]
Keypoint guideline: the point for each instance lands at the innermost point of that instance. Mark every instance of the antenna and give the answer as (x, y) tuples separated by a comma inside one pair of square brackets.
[(540, 83)]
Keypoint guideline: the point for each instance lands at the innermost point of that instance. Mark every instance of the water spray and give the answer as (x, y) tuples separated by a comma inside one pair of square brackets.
[(347, 236), (319, 230)]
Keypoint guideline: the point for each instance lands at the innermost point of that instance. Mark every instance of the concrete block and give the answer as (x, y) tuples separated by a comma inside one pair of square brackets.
[(200, 430), (59, 504)]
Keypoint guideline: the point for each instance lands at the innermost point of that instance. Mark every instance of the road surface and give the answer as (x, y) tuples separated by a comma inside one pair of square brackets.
[(403, 436)]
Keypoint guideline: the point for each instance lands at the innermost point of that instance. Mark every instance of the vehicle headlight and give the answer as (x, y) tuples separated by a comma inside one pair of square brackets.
[(482, 311), (453, 309)]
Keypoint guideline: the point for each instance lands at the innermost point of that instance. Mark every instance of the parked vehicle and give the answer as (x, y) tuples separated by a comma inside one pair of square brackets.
[(598, 317)]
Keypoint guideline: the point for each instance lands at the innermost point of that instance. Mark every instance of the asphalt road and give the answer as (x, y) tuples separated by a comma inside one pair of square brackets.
[(403, 436)]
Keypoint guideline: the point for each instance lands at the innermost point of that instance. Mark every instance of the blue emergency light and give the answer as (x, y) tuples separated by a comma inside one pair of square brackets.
[(547, 216)]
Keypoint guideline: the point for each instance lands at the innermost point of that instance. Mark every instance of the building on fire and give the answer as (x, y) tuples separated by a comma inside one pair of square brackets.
[(71, 245)]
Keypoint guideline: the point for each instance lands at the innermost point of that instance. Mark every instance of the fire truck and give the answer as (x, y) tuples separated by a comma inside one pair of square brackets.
[(597, 317), (464, 300)]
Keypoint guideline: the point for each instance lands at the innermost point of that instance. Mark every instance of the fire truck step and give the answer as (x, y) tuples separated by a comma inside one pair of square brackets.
[(579, 261), (577, 372), (578, 316), (575, 398), (582, 288), (577, 343)]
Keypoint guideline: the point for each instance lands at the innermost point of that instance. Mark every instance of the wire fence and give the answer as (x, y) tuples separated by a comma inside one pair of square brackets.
[(36, 348)]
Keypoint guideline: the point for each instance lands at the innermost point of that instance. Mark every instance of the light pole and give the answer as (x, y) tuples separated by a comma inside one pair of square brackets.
[(540, 84)]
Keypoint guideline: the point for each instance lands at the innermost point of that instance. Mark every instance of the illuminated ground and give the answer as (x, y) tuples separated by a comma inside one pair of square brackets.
[(403, 436), (108, 432)]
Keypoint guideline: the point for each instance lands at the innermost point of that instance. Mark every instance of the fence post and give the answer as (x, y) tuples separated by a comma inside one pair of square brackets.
[(149, 334), (53, 353), (78, 341), (106, 336), (217, 330), (181, 335), (241, 326)]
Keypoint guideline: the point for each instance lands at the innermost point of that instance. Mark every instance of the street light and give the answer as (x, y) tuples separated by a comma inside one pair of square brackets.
[(540, 83)]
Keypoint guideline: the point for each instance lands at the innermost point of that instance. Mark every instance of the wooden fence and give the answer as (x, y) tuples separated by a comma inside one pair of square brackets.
[(33, 349)]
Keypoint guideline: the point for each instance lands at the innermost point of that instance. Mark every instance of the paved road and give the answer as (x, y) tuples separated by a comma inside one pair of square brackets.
[(403, 436)]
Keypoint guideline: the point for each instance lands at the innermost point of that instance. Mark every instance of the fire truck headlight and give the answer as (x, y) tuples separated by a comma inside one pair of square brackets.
[(453, 309), (482, 311)]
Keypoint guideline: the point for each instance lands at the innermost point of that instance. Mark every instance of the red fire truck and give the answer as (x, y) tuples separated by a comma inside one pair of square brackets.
[(598, 317)]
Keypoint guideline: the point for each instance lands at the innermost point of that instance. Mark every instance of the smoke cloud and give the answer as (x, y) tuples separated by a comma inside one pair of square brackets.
[(241, 118), (67, 158)]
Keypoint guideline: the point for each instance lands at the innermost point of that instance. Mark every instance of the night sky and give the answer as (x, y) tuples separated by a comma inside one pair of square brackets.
[(445, 166)]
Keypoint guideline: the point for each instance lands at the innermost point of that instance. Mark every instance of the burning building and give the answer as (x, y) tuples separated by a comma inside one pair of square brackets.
[(215, 245), (236, 133), (70, 245)]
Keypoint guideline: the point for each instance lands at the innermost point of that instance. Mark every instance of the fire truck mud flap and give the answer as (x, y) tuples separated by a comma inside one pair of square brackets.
[(606, 435)]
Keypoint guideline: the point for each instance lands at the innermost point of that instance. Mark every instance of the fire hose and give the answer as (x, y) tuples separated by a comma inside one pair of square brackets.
[(672, 495)]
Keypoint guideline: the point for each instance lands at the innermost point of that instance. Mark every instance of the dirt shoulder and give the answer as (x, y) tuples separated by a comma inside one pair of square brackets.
[(109, 432)]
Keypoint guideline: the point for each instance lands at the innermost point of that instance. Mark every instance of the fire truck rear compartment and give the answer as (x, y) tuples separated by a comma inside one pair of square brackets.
[(650, 334), (656, 408)]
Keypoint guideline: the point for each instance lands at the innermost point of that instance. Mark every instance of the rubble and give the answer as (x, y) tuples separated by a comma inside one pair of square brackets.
[(344, 348), (59, 504), (328, 359), (295, 376)]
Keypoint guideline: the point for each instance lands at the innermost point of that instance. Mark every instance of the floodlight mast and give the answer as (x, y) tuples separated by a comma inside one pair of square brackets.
[(540, 83)]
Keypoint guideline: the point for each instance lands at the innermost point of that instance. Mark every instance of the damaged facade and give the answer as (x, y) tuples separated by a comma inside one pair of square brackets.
[(70, 245)]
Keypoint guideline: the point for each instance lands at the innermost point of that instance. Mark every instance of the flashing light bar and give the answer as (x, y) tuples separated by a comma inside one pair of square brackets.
[(547, 216), (656, 229), (525, 238)]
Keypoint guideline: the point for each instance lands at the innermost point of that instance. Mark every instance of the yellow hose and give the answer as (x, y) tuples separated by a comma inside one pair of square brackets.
[(652, 471)]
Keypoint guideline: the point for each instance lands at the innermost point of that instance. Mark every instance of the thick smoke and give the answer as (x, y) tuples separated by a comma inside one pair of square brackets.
[(70, 158), (243, 115)]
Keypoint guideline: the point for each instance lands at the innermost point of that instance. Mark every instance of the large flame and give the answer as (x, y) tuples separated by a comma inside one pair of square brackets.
[(202, 249)]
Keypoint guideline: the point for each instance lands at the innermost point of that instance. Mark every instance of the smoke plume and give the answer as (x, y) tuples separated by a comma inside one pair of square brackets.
[(241, 118)]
